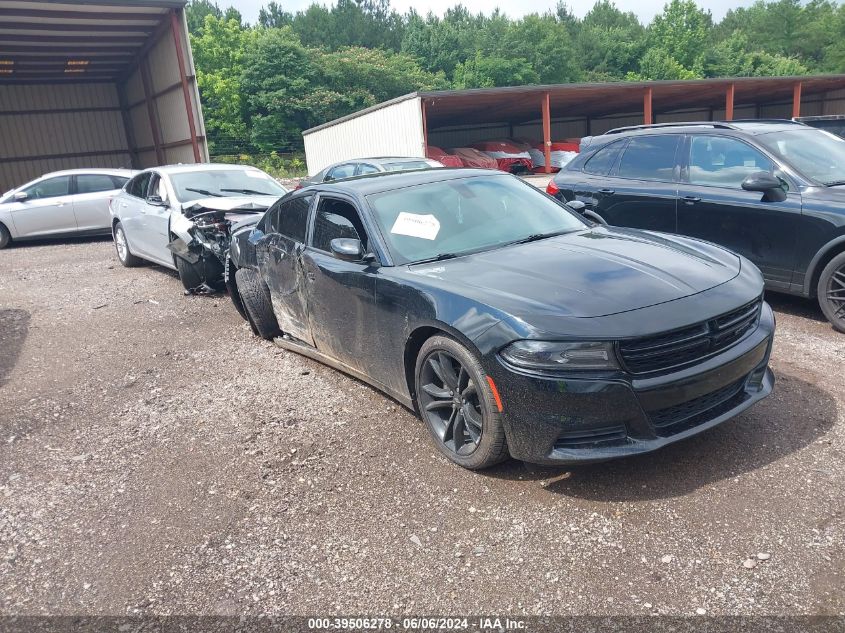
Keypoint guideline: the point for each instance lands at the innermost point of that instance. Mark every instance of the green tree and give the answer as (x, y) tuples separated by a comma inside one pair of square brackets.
[(683, 31), (657, 63), (610, 42), (487, 72), (273, 16), (219, 48), (195, 12), (276, 83)]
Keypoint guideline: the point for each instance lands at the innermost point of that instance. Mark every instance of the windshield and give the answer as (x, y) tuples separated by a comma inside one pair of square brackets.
[(464, 215), (817, 154), (213, 183)]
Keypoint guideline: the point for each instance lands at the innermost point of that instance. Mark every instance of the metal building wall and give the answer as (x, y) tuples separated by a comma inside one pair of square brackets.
[(46, 128), (158, 109), (394, 130)]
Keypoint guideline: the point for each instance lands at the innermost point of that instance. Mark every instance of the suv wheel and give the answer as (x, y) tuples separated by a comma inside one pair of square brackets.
[(831, 292)]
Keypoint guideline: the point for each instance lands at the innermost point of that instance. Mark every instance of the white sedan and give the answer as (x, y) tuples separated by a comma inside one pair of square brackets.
[(61, 204), (180, 216)]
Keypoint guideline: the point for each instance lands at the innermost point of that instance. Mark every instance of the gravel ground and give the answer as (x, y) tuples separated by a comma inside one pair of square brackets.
[(155, 457)]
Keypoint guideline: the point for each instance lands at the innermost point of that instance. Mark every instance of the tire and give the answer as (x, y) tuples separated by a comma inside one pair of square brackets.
[(831, 292), (256, 299), (445, 368), (5, 236), (121, 245), (207, 271)]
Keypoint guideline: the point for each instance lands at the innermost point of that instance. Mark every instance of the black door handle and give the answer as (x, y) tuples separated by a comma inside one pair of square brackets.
[(691, 199), (607, 192)]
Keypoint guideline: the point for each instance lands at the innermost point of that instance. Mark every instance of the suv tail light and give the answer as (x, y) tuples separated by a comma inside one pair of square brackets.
[(552, 189)]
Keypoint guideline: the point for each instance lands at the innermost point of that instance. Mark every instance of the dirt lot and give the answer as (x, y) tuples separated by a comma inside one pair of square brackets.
[(156, 458)]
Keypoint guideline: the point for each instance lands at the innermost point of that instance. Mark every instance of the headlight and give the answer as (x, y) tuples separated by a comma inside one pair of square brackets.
[(556, 356)]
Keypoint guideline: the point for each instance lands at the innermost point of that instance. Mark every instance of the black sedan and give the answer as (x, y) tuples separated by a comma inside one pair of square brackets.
[(512, 325)]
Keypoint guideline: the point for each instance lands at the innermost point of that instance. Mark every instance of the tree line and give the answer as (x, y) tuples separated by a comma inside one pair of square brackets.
[(262, 84)]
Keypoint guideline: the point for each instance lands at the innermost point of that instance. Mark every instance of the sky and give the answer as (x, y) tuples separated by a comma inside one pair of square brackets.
[(645, 9)]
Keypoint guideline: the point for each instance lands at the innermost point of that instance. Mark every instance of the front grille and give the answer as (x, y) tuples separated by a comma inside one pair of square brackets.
[(691, 413), (590, 437), (690, 344)]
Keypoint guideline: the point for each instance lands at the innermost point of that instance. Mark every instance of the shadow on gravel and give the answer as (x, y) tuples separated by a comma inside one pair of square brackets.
[(55, 241), (796, 306), (14, 325), (797, 414)]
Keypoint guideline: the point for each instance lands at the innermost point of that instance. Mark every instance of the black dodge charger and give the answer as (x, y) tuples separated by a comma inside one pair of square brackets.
[(512, 325)]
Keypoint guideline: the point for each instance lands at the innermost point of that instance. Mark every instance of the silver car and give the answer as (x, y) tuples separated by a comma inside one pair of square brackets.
[(363, 166), (180, 217), (62, 203)]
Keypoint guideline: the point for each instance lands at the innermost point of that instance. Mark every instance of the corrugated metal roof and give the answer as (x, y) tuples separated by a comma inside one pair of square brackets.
[(84, 40)]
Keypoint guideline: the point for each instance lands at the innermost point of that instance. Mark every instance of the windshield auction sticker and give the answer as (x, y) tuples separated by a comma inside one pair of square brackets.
[(414, 225)]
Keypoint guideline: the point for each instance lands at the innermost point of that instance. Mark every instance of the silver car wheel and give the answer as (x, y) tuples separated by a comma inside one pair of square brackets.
[(120, 243)]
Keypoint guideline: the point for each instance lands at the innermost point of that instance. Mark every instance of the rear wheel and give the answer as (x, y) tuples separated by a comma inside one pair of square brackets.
[(831, 292), (456, 402), (5, 237), (122, 247), (255, 296), (194, 276)]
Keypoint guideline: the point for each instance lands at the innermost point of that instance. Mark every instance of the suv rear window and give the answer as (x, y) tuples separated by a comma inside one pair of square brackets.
[(650, 158)]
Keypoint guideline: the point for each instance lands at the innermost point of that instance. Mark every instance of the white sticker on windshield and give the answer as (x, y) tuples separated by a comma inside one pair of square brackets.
[(415, 225)]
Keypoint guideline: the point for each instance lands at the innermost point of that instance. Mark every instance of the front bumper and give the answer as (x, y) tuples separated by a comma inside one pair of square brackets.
[(576, 419)]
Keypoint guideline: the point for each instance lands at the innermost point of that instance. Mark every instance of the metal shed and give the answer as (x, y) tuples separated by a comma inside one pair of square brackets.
[(407, 125), (99, 83)]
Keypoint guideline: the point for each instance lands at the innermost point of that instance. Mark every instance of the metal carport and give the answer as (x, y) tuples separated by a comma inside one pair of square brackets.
[(95, 84), (453, 118)]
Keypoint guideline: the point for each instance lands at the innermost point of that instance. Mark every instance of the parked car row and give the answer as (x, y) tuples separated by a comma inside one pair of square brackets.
[(772, 191), (620, 313), (511, 155)]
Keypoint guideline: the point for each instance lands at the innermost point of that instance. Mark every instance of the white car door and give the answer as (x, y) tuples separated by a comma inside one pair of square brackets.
[(128, 207), (46, 209), (157, 220), (91, 200)]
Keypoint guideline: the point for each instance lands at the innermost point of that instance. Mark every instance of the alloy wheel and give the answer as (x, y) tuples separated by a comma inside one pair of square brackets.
[(835, 293), (449, 400), (120, 243)]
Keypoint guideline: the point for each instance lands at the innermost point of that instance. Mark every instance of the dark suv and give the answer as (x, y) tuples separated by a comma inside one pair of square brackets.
[(773, 191)]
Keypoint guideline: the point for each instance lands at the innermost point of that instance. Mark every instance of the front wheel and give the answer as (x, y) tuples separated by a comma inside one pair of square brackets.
[(831, 292), (5, 237), (255, 296), (121, 245), (456, 402)]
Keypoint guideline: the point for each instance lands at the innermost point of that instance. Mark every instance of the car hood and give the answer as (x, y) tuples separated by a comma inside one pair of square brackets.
[(592, 273), (239, 203)]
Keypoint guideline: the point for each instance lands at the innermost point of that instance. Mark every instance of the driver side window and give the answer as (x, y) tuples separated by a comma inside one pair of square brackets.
[(50, 188), (719, 161), (336, 219)]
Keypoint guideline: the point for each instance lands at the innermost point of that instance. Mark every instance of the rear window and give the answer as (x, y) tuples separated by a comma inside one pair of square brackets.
[(650, 158)]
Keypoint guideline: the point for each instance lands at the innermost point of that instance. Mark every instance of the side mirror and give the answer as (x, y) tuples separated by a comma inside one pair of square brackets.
[(576, 205), (767, 184), (347, 249), (20, 196), (156, 201)]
